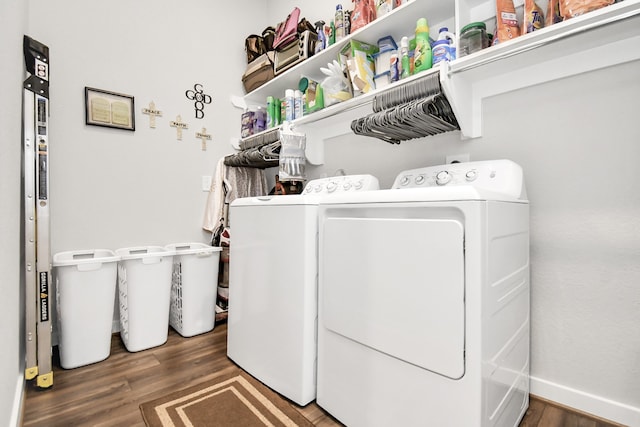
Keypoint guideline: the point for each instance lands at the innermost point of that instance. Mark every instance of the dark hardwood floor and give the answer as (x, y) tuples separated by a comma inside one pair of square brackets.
[(109, 393)]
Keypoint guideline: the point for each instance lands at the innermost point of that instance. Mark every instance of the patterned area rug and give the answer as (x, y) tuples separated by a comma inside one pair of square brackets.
[(234, 399)]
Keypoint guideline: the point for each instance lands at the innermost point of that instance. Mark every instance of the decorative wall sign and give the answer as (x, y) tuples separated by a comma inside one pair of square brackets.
[(109, 109), (200, 98), (179, 125), (204, 137), (152, 113)]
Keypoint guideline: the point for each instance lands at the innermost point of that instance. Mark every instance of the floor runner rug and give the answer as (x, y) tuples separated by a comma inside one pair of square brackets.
[(233, 399)]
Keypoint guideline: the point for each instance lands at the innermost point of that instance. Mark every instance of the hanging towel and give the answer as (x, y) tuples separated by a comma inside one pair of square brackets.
[(230, 183), (245, 182), (214, 209)]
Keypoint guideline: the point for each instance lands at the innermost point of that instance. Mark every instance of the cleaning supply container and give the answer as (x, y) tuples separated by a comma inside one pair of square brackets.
[(473, 38), (194, 287), (422, 57), (86, 286), (144, 292)]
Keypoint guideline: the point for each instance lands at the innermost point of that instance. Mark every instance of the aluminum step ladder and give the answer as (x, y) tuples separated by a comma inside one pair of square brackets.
[(35, 183)]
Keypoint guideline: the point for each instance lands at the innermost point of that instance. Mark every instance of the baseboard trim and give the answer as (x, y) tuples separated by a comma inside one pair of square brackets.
[(18, 402), (585, 402)]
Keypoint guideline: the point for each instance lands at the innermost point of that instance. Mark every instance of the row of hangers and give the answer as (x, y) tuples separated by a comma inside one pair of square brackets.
[(412, 110)]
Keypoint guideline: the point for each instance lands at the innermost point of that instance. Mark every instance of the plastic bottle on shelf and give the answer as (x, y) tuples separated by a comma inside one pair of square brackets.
[(277, 108), (332, 33), (289, 104), (445, 34), (298, 102), (404, 57), (339, 23), (322, 40), (271, 114), (422, 57)]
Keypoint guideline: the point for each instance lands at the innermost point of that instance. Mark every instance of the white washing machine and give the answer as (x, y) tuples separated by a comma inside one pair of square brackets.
[(424, 300), (273, 270)]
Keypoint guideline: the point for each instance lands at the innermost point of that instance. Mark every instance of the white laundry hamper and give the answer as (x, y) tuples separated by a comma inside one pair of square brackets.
[(144, 288), (194, 288), (85, 293)]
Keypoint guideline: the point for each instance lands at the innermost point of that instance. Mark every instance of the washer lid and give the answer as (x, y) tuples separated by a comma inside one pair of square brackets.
[(278, 200)]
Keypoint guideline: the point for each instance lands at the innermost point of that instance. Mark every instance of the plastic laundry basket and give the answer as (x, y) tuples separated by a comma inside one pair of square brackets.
[(194, 288), (144, 288), (86, 286)]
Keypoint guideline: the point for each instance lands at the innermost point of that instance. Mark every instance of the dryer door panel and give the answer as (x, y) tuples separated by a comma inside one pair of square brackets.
[(397, 285)]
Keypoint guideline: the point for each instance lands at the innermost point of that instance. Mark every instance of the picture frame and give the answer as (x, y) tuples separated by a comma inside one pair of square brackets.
[(109, 109)]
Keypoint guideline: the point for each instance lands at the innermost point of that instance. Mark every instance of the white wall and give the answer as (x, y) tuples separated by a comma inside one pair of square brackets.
[(114, 188), (577, 140), (13, 15)]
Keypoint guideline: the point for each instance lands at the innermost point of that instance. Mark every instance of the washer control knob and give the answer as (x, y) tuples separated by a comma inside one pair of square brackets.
[(420, 179), (331, 187), (404, 181), (318, 188), (346, 185), (308, 190), (471, 175), (443, 177), (358, 185)]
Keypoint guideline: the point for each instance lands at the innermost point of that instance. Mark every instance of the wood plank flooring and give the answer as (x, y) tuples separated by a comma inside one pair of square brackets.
[(109, 393)]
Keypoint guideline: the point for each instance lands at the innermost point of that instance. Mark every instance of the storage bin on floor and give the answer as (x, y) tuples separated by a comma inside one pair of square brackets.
[(194, 288), (144, 289), (86, 286)]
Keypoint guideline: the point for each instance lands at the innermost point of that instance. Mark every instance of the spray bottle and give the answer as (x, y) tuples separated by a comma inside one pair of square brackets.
[(422, 58), (339, 23), (322, 40), (404, 58)]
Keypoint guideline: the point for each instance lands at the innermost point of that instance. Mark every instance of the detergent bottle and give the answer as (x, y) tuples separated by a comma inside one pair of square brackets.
[(422, 57), (445, 34)]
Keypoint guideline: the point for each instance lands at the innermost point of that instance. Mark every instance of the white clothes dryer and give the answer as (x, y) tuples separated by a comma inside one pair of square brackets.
[(424, 300), (273, 270)]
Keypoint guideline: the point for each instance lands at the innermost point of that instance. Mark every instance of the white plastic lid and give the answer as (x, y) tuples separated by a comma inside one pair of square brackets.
[(192, 248), (140, 252), (90, 256), (288, 92)]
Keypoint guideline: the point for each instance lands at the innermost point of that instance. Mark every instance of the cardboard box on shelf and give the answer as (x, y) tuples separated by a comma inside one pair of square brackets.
[(358, 57)]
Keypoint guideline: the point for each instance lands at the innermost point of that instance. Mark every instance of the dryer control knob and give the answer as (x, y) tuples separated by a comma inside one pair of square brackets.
[(358, 185), (471, 175), (404, 180), (331, 187), (318, 188), (346, 185), (443, 177), (420, 179)]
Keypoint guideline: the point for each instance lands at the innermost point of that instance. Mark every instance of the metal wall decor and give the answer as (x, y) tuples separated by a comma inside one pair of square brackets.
[(200, 98)]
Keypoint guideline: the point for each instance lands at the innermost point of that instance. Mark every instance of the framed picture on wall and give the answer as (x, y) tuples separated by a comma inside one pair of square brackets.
[(110, 109)]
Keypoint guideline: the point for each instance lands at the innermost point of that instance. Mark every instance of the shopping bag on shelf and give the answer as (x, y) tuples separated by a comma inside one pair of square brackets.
[(287, 30)]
